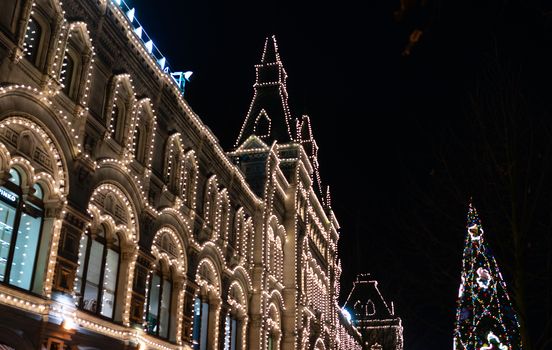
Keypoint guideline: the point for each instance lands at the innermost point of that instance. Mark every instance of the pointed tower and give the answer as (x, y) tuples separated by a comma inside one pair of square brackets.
[(306, 138), (381, 329), (485, 318), (268, 117)]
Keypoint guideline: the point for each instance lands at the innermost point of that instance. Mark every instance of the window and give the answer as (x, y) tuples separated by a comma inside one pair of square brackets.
[(20, 228), (67, 73), (98, 266), (231, 333), (201, 325), (271, 342), (175, 173), (190, 179), (138, 293), (32, 40), (117, 123), (137, 144), (159, 305)]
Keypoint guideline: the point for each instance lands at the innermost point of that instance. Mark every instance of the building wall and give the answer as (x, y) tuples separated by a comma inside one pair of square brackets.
[(123, 161)]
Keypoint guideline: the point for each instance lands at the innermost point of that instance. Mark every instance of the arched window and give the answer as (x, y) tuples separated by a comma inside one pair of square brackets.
[(98, 272), (237, 232), (20, 228), (191, 174), (138, 154), (117, 123), (211, 203), (67, 74), (224, 216), (201, 324), (278, 259), (32, 40), (159, 305)]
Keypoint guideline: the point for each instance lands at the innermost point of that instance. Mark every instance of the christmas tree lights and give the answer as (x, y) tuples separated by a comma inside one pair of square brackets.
[(485, 318)]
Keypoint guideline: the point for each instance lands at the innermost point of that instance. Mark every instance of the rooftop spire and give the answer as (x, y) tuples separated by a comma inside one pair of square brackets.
[(268, 117), (270, 51)]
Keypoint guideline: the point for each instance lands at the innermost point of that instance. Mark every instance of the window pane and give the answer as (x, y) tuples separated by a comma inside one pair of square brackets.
[(7, 217), (137, 141), (165, 309), (197, 323), (153, 309), (66, 75), (38, 191), (110, 283), (227, 333), (114, 120), (204, 326), (93, 274), (15, 177), (26, 248), (82, 258), (234, 334), (32, 40)]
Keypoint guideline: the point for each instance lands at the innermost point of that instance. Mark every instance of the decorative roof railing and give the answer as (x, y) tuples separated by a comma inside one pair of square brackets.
[(179, 78)]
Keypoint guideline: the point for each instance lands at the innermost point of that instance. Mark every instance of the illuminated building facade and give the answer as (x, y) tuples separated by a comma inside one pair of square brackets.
[(376, 320), (125, 225)]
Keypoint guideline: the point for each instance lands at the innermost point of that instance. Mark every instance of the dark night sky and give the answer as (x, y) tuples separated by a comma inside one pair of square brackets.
[(371, 109)]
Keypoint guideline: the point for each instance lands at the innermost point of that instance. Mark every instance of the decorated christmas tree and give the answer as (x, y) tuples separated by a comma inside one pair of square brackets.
[(485, 318)]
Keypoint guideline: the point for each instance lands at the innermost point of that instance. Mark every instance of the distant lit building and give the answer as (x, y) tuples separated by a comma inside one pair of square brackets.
[(125, 225), (381, 329)]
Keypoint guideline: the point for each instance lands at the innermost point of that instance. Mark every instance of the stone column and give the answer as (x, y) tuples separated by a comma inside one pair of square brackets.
[(48, 248), (177, 309), (214, 314), (124, 284)]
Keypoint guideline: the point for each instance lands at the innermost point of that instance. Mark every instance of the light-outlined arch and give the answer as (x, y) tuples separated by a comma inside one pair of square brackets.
[(119, 108), (237, 231), (224, 209), (140, 139), (211, 204), (208, 278), (30, 174), (42, 161), (237, 297), (77, 47), (319, 344), (174, 253), (236, 320), (49, 161), (191, 175), (169, 251), (215, 254), (239, 273), (248, 243), (275, 246), (110, 204), (174, 155), (30, 104), (175, 219), (49, 15), (273, 325), (103, 208)]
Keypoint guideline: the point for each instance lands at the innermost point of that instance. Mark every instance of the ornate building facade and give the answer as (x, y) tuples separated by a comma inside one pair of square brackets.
[(125, 225), (380, 327)]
